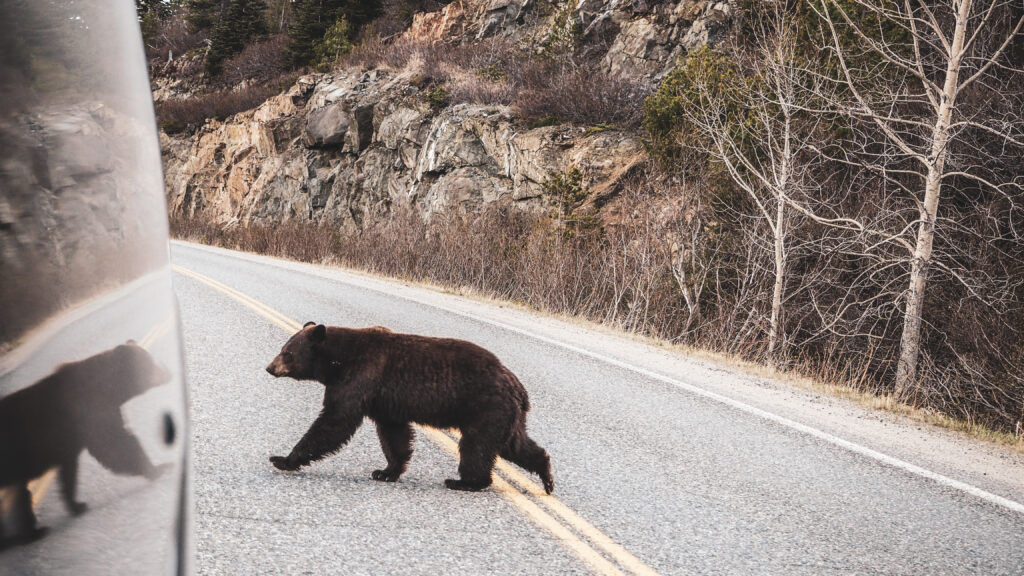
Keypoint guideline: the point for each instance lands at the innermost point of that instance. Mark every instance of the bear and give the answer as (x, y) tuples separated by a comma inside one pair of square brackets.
[(396, 380), (77, 407)]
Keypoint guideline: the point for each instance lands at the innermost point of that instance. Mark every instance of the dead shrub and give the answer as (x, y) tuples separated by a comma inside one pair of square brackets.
[(619, 276), (182, 114), (577, 93), (257, 63), (167, 38)]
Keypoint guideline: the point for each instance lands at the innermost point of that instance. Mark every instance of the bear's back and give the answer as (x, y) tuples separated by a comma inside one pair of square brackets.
[(438, 380)]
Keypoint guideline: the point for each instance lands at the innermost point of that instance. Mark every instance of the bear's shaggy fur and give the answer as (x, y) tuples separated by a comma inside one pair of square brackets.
[(400, 379), (76, 408)]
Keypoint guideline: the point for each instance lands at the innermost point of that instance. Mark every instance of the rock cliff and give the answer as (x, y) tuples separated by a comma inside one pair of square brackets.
[(353, 144)]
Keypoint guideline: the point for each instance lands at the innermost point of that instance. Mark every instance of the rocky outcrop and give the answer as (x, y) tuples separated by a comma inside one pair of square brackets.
[(468, 20), (341, 148), (644, 38), (649, 39), (345, 147)]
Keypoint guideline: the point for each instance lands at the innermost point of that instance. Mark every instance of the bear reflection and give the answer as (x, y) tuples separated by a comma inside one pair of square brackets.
[(48, 424)]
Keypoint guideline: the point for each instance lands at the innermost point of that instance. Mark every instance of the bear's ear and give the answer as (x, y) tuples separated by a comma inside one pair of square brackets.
[(131, 342), (319, 333), (308, 324)]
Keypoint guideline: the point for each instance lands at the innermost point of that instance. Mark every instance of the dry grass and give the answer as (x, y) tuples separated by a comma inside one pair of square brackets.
[(540, 272)]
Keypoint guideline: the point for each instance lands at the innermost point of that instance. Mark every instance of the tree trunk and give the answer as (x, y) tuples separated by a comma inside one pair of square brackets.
[(690, 296), (910, 343), (780, 275)]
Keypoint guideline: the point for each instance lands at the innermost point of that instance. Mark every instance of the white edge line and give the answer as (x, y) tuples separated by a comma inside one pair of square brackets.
[(693, 389)]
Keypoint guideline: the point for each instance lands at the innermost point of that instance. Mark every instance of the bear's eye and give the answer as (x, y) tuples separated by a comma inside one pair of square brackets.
[(286, 356)]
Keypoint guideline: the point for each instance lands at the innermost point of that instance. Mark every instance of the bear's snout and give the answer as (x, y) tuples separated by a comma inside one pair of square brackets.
[(274, 368)]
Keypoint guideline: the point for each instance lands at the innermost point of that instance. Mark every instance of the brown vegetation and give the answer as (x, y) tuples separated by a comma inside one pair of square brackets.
[(828, 172), (167, 39), (181, 114), (498, 71), (665, 264), (260, 62)]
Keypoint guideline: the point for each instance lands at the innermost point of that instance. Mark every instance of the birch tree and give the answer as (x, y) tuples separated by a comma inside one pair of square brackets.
[(938, 51), (747, 110)]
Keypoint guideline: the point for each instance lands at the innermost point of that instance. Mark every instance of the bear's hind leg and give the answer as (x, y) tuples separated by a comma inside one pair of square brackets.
[(522, 451), (396, 442), (478, 449), (477, 455), (24, 519)]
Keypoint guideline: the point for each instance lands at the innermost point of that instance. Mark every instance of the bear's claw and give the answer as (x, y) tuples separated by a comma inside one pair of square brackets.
[(385, 476), (281, 463), (548, 479)]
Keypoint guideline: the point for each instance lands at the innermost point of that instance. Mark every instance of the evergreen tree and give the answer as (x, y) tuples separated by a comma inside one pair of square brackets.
[(305, 28), (311, 20), (242, 22), (336, 43), (204, 14)]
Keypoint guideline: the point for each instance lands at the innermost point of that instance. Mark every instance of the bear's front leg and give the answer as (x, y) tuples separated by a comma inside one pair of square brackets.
[(281, 463), (396, 442), (69, 486), (118, 450), (326, 436)]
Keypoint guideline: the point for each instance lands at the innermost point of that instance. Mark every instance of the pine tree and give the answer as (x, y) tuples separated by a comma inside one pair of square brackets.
[(204, 14), (311, 20), (337, 42), (155, 8), (243, 22), (305, 28)]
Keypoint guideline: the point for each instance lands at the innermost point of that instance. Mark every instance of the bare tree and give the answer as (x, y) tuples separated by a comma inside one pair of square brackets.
[(933, 53), (751, 120)]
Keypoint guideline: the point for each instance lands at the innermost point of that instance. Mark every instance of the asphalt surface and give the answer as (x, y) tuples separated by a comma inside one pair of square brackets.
[(686, 484)]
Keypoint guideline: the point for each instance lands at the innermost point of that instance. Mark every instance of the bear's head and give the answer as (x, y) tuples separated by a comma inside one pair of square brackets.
[(127, 370), (299, 354)]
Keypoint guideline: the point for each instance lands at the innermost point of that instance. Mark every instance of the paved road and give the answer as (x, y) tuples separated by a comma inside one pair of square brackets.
[(661, 479)]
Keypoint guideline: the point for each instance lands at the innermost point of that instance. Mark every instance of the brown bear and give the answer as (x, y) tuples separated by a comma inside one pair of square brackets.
[(78, 407), (400, 379)]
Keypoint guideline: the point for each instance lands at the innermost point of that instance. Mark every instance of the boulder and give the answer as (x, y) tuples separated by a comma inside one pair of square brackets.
[(329, 126)]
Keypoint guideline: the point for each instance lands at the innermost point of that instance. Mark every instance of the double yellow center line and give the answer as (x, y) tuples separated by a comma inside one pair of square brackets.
[(589, 544)]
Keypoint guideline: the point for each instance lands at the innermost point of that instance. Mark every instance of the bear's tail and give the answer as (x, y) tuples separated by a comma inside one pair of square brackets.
[(518, 391)]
